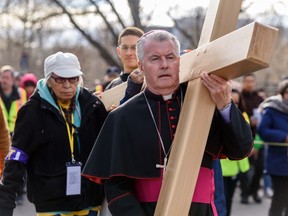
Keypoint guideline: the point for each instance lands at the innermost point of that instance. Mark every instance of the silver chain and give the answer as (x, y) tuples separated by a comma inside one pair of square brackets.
[(159, 135)]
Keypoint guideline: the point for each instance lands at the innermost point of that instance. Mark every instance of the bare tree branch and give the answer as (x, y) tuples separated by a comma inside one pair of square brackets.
[(134, 7), (102, 50), (116, 13), (183, 31), (109, 26)]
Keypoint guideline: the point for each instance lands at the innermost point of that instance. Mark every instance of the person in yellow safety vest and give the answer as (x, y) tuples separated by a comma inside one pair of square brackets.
[(12, 97), (234, 170), (4, 140)]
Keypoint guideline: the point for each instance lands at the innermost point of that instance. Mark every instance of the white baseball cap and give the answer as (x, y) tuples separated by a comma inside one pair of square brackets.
[(62, 64)]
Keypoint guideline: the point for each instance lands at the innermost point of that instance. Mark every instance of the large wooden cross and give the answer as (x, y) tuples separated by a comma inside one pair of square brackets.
[(230, 56), (221, 51)]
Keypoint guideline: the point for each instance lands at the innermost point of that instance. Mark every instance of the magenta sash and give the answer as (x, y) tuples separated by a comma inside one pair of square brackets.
[(147, 190)]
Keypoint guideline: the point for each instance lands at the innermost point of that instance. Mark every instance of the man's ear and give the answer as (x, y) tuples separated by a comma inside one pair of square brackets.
[(140, 67), (118, 52)]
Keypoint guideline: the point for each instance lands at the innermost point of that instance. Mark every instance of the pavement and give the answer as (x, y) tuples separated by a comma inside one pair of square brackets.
[(251, 209), (238, 209)]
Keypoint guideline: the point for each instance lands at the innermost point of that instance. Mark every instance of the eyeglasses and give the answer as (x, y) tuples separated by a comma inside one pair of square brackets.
[(125, 48), (62, 80)]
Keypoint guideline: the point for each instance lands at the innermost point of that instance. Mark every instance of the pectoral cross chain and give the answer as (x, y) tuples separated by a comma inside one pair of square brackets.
[(160, 138)]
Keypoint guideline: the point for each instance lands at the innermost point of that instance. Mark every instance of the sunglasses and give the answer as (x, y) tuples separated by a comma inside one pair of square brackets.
[(62, 80)]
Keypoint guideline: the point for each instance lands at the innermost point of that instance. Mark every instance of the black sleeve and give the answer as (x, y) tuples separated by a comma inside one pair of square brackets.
[(131, 90), (237, 136), (12, 180), (233, 139), (121, 201)]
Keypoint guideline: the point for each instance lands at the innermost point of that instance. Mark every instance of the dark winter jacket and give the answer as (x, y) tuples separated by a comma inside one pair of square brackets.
[(274, 128), (41, 134)]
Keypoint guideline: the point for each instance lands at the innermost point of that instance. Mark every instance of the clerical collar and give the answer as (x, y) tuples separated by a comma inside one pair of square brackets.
[(156, 97), (167, 97)]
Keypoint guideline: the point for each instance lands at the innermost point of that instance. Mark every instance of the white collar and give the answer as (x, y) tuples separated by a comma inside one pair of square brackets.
[(167, 97)]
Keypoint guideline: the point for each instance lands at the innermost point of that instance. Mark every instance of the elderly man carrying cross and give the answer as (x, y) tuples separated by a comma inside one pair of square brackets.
[(143, 129)]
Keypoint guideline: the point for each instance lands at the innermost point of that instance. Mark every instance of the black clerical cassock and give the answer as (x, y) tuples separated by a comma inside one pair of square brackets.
[(129, 154)]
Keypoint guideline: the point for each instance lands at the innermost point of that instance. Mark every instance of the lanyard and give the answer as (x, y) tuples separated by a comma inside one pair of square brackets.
[(70, 134)]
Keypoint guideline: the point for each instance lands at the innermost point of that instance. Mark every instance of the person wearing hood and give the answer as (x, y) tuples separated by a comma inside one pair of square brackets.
[(274, 129), (28, 82), (61, 123)]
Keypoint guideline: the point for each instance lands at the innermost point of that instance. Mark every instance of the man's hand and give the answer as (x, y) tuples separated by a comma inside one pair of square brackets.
[(136, 76), (219, 88)]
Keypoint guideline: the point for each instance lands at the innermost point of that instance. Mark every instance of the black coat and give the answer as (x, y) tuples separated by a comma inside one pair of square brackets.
[(41, 133), (134, 149)]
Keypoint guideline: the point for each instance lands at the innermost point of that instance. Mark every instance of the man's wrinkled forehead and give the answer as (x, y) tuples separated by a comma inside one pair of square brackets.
[(153, 47)]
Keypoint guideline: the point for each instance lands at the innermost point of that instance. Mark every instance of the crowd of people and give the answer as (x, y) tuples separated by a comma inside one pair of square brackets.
[(77, 158)]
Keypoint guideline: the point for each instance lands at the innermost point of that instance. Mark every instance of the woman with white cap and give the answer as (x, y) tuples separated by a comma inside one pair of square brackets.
[(54, 134)]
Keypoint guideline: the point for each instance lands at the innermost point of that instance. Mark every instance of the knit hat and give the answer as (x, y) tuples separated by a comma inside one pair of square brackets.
[(62, 64), (28, 79)]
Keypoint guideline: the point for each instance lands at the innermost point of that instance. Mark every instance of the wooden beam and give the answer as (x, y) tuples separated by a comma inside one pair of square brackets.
[(181, 174), (250, 52), (113, 96), (221, 18)]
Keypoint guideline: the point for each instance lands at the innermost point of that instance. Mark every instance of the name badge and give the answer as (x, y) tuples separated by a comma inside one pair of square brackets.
[(73, 181)]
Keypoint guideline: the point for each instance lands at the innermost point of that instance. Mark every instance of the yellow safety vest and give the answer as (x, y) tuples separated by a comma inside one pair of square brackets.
[(10, 116), (232, 168)]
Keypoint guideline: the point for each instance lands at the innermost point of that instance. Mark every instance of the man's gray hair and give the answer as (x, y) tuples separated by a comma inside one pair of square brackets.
[(156, 35)]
